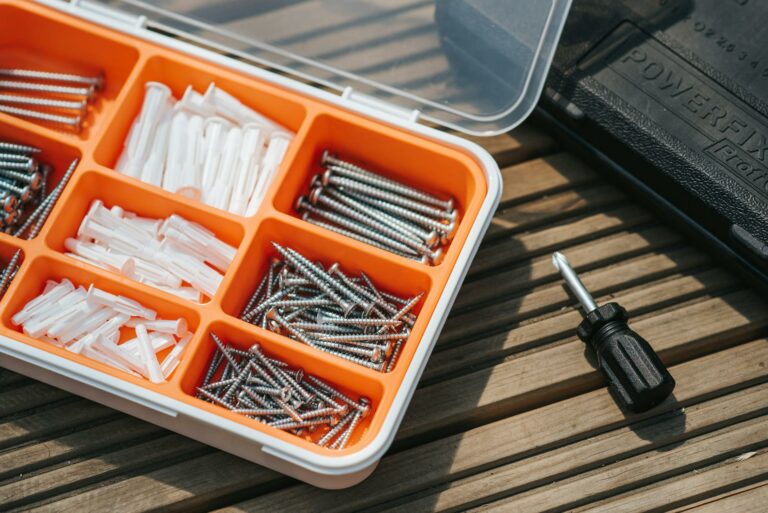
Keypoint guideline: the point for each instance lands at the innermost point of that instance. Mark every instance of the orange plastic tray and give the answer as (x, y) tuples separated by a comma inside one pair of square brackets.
[(36, 36)]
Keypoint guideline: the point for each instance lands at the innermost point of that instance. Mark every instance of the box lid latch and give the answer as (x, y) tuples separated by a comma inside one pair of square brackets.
[(102, 11), (368, 102)]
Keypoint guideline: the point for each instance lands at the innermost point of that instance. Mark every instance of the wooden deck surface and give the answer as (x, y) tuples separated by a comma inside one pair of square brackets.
[(510, 415)]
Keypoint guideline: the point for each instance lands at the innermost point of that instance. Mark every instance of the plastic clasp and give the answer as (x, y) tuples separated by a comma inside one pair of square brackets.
[(104, 11), (371, 102)]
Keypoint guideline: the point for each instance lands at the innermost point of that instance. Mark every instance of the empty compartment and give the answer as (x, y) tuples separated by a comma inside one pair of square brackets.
[(55, 155), (429, 167), (44, 268), (388, 275), (178, 75), (115, 191), (33, 38), (349, 382)]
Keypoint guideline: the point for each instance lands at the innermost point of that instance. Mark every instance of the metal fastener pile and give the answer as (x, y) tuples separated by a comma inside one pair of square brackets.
[(379, 211), (268, 390), (50, 97), (88, 322), (326, 309), (24, 205)]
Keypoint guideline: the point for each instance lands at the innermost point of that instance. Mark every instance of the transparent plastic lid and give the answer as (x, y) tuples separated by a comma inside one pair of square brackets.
[(474, 65)]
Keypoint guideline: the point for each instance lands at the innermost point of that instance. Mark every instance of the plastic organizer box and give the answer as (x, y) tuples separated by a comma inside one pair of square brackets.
[(35, 35)]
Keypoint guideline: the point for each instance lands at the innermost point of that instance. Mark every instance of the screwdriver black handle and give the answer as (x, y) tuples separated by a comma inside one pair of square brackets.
[(628, 362)]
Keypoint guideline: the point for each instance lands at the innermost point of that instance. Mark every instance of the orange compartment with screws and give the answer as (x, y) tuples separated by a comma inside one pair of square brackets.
[(32, 34)]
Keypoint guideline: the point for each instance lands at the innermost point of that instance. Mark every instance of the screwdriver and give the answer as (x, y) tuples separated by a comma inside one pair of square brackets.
[(630, 365)]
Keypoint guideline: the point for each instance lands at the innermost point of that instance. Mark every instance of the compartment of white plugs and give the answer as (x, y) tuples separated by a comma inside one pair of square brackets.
[(162, 242), (67, 309), (212, 141)]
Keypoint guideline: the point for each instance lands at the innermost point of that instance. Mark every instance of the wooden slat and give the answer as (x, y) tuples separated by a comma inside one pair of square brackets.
[(47, 452), (27, 397), (516, 437), (639, 470), (77, 475), (592, 453), (507, 250), (192, 483), (523, 143), (638, 302), (697, 484), (53, 419), (543, 176), (585, 256), (552, 297), (563, 370), (751, 499), (547, 209)]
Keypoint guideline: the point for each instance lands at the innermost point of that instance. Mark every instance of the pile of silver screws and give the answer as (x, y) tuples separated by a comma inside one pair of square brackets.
[(8, 272), (326, 309), (365, 206), (268, 390), (24, 202), (57, 98)]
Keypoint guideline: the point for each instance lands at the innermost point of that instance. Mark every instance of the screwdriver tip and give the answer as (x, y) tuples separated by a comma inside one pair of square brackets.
[(558, 259)]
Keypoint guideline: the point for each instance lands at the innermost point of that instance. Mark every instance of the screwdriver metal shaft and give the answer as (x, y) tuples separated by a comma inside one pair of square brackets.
[(574, 283)]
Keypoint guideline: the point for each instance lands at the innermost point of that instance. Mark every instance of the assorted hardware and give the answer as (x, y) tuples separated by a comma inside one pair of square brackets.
[(24, 204), (633, 369), (330, 311), (266, 389), (172, 254), (365, 206), (57, 98), (208, 147), (88, 322)]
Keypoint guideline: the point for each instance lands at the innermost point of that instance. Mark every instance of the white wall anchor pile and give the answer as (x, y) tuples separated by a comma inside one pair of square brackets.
[(47, 96), (88, 321), (209, 147), (268, 390), (164, 253)]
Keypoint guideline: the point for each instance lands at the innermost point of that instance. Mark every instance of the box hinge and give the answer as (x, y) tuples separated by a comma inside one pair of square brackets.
[(371, 102), (101, 11)]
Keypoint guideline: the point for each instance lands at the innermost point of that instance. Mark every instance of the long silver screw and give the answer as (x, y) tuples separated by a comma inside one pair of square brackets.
[(352, 235), (317, 196), (47, 103), (363, 175), (422, 220), (13, 85), (97, 81), (355, 226), (329, 177), (72, 121), (18, 148), (406, 228)]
